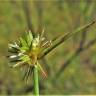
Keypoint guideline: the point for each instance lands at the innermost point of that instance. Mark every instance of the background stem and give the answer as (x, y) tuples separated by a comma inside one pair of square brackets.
[(36, 84)]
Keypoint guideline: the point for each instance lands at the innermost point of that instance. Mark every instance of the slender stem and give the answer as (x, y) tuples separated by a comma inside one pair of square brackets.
[(36, 83)]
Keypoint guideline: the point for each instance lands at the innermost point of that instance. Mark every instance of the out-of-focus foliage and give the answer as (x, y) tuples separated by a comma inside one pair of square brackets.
[(58, 17)]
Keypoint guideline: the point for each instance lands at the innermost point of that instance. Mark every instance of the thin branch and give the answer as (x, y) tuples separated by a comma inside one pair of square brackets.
[(28, 16), (62, 39)]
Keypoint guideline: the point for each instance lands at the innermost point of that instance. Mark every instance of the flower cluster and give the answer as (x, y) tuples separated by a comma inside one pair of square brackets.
[(26, 50)]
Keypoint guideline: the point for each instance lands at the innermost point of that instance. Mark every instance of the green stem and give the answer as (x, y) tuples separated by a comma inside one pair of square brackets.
[(36, 83)]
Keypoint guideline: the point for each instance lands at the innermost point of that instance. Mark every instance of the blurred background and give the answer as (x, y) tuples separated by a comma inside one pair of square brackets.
[(71, 67)]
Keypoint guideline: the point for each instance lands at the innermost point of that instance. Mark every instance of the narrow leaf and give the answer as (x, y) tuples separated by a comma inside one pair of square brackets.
[(41, 69), (62, 39)]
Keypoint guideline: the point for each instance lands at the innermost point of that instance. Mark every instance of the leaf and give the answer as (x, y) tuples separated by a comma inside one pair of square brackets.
[(65, 37), (24, 58), (18, 64), (29, 38), (13, 50), (23, 42), (41, 69)]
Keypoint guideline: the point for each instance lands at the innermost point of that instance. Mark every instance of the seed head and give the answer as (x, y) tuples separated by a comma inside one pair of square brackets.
[(25, 52)]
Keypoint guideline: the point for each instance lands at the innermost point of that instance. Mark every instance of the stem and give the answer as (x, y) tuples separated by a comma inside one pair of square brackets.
[(36, 84)]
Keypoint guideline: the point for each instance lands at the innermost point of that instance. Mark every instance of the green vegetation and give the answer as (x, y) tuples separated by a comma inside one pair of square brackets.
[(71, 67)]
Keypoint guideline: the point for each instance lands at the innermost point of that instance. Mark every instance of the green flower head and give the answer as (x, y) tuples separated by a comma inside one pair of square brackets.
[(26, 51)]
